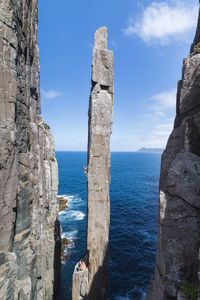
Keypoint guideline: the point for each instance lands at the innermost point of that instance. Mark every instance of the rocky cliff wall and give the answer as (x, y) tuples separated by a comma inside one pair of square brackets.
[(28, 168), (178, 238)]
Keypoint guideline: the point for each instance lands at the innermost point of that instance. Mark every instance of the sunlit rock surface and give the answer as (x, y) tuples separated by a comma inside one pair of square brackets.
[(93, 283)]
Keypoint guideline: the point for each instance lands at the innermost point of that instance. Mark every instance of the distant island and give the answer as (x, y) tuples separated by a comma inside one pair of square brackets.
[(151, 150)]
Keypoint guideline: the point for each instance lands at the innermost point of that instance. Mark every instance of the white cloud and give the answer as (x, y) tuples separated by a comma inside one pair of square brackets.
[(162, 119), (155, 136), (164, 101), (165, 126), (162, 130), (158, 133), (151, 129), (50, 94), (161, 21)]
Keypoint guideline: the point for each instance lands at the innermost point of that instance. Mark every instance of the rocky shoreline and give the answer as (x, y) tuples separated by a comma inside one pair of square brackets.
[(65, 242)]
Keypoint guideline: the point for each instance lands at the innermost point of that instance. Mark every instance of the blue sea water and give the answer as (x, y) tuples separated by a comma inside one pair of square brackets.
[(134, 198)]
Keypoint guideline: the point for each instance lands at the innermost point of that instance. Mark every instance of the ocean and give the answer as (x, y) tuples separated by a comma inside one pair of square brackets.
[(133, 220)]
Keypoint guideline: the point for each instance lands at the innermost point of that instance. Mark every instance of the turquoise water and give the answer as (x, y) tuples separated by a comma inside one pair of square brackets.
[(134, 198)]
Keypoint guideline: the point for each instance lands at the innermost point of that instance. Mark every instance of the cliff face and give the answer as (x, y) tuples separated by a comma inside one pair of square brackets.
[(92, 283), (179, 201), (28, 168)]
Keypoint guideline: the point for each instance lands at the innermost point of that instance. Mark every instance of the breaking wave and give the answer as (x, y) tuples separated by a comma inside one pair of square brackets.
[(76, 215)]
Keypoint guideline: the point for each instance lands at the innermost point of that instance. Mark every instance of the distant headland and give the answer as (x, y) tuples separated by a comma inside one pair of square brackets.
[(151, 150)]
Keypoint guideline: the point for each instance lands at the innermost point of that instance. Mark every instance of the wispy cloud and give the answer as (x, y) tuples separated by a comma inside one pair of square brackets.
[(161, 22), (162, 106), (50, 94), (162, 131), (151, 128), (165, 126), (164, 101)]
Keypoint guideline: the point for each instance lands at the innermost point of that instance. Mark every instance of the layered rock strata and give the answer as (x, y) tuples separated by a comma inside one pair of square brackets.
[(28, 168), (94, 280), (178, 238)]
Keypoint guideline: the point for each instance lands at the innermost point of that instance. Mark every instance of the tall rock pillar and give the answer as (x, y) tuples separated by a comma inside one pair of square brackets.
[(100, 126), (179, 200), (98, 172)]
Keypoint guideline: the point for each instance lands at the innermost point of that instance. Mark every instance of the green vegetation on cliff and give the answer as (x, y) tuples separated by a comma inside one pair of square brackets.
[(190, 290)]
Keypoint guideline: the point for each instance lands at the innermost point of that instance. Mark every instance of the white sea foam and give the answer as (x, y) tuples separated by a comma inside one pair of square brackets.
[(69, 234), (66, 197), (76, 200), (70, 246), (72, 200), (76, 215), (61, 213), (69, 198)]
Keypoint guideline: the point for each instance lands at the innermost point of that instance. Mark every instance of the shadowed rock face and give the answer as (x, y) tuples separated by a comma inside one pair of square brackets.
[(93, 283), (179, 201), (28, 168)]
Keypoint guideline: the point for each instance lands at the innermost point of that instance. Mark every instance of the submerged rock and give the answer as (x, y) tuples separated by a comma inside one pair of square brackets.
[(62, 203), (65, 243)]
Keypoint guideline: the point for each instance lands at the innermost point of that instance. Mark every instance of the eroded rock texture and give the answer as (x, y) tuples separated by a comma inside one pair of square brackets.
[(179, 201), (28, 168), (98, 174)]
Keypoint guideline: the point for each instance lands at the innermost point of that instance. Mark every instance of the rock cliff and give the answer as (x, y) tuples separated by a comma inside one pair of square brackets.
[(178, 238), (28, 168), (92, 282)]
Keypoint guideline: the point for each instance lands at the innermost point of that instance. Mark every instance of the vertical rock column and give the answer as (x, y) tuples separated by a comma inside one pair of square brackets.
[(98, 172), (100, 127)]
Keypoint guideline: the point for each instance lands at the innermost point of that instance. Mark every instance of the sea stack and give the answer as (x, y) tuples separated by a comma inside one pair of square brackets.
[(92, 283), (28, 168), (178, 238)]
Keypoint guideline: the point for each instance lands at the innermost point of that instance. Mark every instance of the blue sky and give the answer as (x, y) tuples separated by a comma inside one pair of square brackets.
[(149, 40)]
